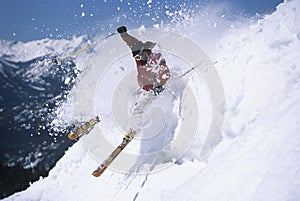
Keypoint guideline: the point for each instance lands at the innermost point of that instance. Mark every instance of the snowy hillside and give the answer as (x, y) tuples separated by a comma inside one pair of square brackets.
[(258, 157)]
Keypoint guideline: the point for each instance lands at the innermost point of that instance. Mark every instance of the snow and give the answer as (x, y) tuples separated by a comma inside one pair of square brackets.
[(35, 49), (67, 80), (258, 157)]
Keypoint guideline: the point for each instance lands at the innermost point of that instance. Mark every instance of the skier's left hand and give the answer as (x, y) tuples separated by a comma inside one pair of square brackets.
[(122, 29)]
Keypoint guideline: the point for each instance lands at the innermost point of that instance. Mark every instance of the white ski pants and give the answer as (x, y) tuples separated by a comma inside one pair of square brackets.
[(136, 113)]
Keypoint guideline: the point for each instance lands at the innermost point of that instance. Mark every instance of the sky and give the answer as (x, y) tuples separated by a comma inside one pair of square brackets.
[(37, 19)]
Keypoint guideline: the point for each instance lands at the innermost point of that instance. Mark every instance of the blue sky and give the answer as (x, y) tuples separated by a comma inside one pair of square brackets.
[(28, 20)]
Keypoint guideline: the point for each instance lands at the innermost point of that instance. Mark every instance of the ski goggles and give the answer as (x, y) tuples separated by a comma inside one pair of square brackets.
[(138, 57), (137, 54)]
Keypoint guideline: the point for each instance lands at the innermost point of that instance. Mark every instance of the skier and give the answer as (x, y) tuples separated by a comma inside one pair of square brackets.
[(152, 75)]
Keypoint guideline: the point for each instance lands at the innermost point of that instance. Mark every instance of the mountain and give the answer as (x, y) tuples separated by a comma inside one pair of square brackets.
[(32, 88)]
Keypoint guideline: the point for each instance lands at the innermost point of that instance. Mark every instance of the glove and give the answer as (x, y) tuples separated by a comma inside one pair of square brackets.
[(157, 90), (122, 29)]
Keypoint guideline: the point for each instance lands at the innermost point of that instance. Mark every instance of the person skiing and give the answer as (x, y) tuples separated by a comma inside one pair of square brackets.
[(152, 75)]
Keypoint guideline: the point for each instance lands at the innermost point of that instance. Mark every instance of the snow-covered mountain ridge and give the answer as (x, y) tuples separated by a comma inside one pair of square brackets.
[(35, 49)]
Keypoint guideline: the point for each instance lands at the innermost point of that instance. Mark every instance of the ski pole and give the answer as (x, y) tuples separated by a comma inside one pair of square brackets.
[(82, 50), (182, 75), (188, 71)]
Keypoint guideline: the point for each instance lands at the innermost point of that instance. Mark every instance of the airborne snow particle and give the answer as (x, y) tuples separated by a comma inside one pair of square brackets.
[(67, 80)]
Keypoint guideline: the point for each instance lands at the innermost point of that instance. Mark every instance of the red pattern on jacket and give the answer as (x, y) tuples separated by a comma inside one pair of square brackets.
[(155, 71)]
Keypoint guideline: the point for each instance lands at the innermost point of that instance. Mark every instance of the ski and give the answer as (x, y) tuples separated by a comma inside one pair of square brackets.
[(126, 139), (84, 128)]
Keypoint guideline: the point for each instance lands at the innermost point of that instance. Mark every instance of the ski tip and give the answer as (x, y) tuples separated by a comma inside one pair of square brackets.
[(98, 172), (72, 136), (83, 129)]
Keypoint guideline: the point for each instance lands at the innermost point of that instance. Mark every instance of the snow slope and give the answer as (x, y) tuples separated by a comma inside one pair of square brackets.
[(259, 155)]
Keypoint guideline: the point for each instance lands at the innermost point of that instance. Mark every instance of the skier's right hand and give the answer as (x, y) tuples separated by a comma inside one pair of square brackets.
[(157, 90), (122, 29)]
